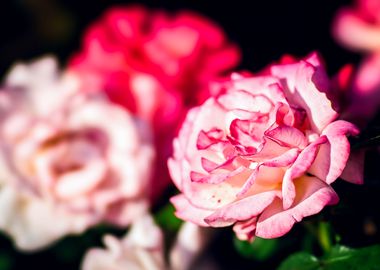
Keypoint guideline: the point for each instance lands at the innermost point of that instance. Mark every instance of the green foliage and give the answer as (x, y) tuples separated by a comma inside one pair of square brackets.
[(260, 249), (6, 261), (339, 257), (166, 219)]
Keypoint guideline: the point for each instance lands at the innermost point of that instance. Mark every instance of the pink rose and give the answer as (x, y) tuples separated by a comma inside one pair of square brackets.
[(155, 64), (143, 249), (64, 165), (262, 155), (358, 28)]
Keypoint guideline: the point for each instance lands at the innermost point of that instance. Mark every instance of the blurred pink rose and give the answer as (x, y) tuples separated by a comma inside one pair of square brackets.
[(358, 28), (262, 155), (155, 64), (143, 249), (64, 165)]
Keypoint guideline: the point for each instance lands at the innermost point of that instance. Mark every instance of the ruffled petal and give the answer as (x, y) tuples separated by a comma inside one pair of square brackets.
[(306, 85), (332, 156)]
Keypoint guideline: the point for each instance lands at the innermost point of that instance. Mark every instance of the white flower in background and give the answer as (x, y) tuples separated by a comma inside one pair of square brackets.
[(143, 249), (67, 161)]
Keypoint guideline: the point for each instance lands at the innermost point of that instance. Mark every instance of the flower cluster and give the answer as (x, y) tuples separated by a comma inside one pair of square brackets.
[(150, 97)]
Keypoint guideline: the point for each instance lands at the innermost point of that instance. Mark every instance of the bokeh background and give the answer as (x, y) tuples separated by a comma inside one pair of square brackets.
[(265, 30)]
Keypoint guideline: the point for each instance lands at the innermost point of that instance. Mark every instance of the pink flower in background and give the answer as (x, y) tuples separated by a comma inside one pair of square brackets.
[(155, 64), (358, 29), (64, 165), (143, 249), (262, 155)]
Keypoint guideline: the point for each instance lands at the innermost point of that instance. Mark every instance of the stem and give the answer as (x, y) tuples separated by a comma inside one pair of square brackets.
[(324, 236)]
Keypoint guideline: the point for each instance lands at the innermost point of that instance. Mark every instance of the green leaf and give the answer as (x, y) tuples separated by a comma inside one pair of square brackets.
[(349, 259), (338, 258), (300, 261), (260, 250), (166, 219), (6, 261)]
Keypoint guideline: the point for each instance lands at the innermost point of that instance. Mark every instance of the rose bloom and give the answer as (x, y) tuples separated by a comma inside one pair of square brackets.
[(358, 28), (68, 161), (155, 64), (142, 248), (262, 155)]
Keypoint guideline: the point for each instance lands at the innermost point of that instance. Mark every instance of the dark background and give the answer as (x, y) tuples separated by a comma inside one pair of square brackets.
[(265, 30)]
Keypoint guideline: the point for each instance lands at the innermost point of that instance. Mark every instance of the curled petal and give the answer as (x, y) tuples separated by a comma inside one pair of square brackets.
[(282, 161), (298, 168), (312, 195), (305, 84), (186, 211), (241, 210), (245, 230), (332, 157)]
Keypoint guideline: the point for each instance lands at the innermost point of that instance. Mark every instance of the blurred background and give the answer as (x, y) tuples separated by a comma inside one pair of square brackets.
[(265, 30)]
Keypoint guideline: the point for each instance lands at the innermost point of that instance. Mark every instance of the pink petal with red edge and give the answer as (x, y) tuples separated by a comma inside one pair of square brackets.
[(205, 139), (215, 178), (208, 165), (312, 195), (332, 157), (288, 136), (269, 149), (247, 133), (299, 167), (245, 230), (244, 100), (256, 84), (241, 210), (281, 161), (305, 86), (186, 211)]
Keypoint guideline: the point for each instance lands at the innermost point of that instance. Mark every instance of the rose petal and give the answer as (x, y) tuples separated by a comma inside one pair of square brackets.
[(241, 210), (312, 195), (245, 230), (304, 85), (303, 162), (288, 136), (186, 211), (333, 156)]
